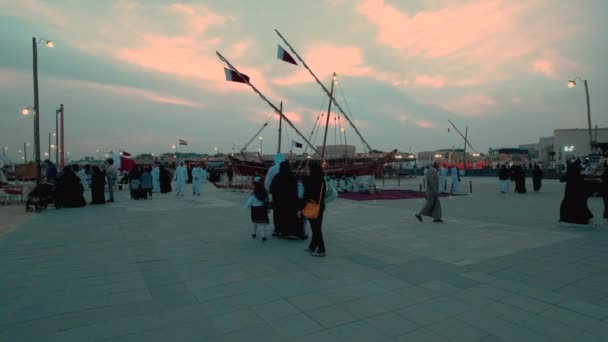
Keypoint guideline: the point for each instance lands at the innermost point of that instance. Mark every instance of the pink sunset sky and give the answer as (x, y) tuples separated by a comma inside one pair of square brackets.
[(139, 75)]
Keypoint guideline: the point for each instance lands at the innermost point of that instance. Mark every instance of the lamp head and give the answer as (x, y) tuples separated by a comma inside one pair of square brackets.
[(25, 111), (50, 44), (571, 84)]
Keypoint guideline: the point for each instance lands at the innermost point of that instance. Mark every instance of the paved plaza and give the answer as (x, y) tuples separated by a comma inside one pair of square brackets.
[(186, 269)]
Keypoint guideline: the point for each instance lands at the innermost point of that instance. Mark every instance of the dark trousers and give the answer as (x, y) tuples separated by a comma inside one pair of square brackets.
[(317, 242)]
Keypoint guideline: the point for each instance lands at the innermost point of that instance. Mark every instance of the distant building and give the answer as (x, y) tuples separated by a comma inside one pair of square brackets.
[(575, 142), (447, 155), (336, 151)]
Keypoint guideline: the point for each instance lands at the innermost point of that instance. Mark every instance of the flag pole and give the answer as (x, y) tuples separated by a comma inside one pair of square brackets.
[(277, 110), (331, 97)]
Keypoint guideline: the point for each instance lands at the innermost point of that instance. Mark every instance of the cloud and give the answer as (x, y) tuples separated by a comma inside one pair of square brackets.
[(11, 77), (435, 82), (325, 59), (425, 123), (553, 65), (476, 40), (471, 105)]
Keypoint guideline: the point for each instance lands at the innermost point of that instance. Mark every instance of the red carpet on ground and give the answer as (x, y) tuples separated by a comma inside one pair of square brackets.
[(384, 195)]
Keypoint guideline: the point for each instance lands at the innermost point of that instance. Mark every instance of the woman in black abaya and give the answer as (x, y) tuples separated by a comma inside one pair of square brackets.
[(573, 208), (69, 190), (98, 184), (284, 190), (165, 180)]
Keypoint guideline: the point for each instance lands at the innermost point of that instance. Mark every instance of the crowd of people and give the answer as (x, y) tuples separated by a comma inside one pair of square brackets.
[(142, 181), (517, 174), (286, 193)]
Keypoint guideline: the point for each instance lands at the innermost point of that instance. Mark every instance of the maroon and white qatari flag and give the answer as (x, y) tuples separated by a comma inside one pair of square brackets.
[(233, 76), (183, 142), (285, 56)]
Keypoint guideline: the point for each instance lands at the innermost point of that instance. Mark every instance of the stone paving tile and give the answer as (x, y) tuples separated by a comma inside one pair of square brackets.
[(582, 294), (420, 335), (508, 312), (586, 337), (526, 303), (490, 338), (331, 316), (478, 276), (569, 317), (490, 291), (455, 330), (261, 332), (236, 320), (422, 314), (357, 331), (550, 328), (275, 310), (295, 326), (472, 298), (439, 288), (391, 324), (365, 307), (585, 308)]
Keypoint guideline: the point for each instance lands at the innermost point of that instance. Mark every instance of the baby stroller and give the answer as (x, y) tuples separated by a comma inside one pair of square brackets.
[(40, 197)]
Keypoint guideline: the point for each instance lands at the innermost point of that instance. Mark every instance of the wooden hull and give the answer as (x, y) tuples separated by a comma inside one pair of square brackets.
[(252, 169)]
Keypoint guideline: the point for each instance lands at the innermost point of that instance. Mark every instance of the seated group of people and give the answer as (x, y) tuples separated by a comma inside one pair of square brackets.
[(351, 184)]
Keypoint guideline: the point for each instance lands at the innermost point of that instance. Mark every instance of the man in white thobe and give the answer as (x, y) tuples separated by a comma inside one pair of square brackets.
[(181, 176), (155, 179), (455, 180), (443, 175), (199, 176)]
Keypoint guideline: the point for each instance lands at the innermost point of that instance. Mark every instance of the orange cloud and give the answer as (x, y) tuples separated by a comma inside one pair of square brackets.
[(462, 40), (425, 124), (553, 65), (435, 82)]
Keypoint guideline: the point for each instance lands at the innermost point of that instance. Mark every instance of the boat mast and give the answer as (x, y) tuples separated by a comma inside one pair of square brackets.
[(277, 110), (331, 93), (331, 98), (280, 123)]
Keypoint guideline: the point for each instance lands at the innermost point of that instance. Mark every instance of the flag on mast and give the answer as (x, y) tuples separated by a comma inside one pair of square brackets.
[(233, 76), (183, 142), (296, 144), (285, 56)]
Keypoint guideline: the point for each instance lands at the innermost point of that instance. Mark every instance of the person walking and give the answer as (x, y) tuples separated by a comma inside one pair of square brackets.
[(443, 179), (181, 176), (455, 179), (146, 184), (155, 178), (503, 175), (432, 206), (111, 175), (537, 176), (199, 176), (314, 190)]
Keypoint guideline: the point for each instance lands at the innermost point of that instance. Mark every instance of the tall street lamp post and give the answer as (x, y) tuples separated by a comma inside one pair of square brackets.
[(35, 43), (572, 84)]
